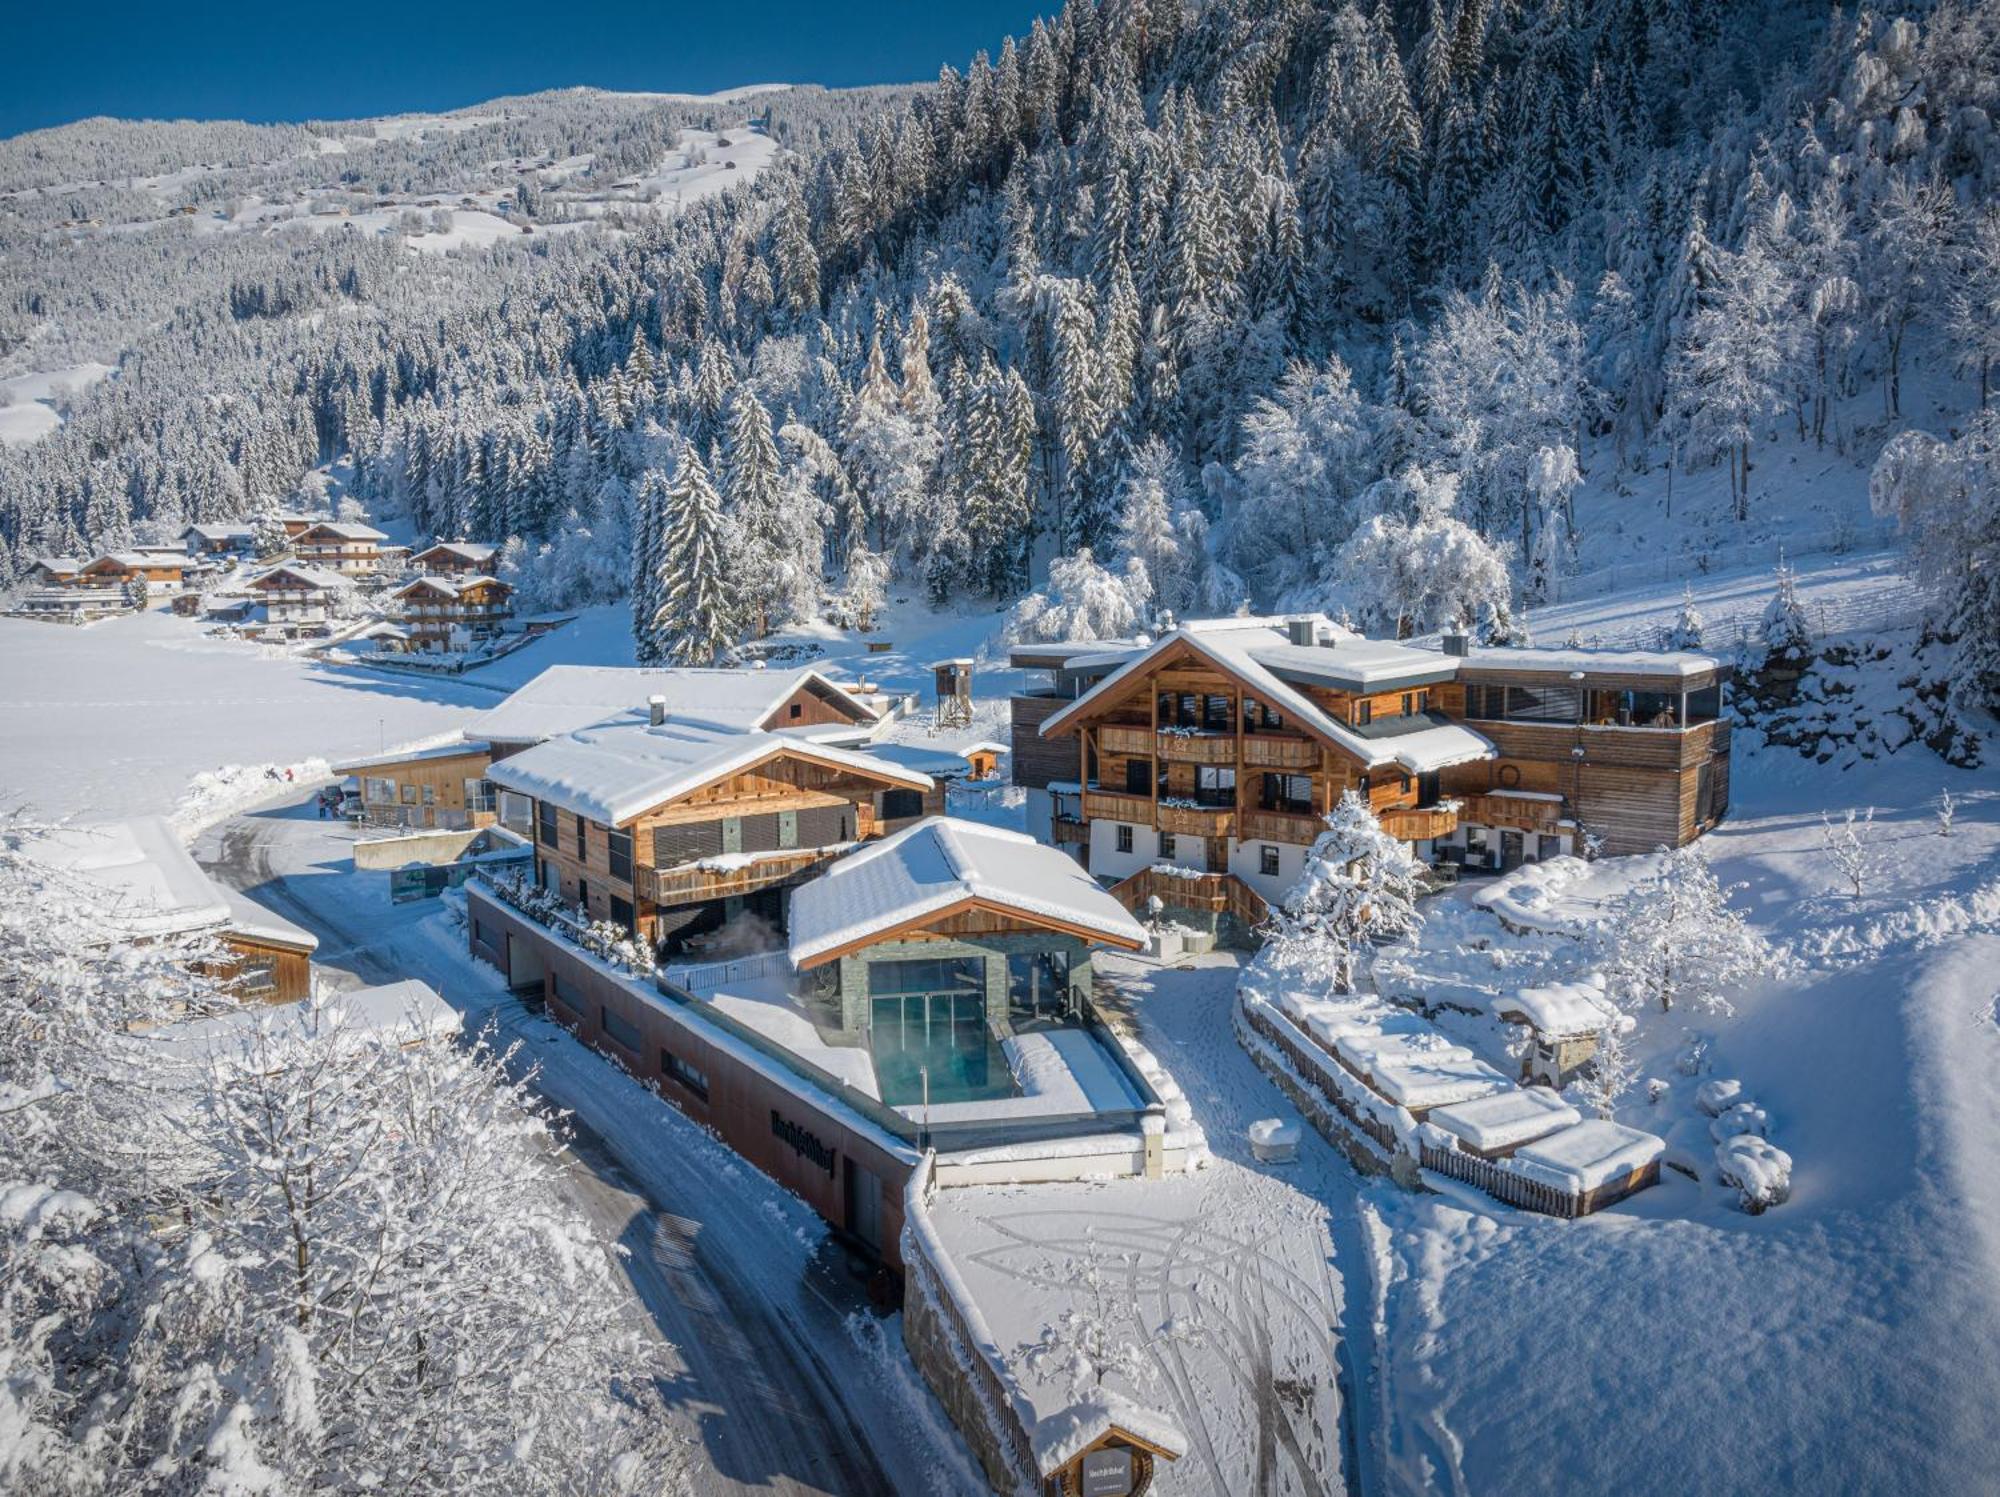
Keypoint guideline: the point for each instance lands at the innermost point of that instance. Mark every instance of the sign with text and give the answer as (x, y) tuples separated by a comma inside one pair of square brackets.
[(1107, 1473)]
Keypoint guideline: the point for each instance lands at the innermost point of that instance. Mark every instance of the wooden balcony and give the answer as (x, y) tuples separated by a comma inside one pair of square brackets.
[(693, 884), (1415, 823), (1281, 826), (1104, 804), (1197, 821), (1266, 751), (1125, 738), (1210, 893), (1515, 812), (1198, 748)]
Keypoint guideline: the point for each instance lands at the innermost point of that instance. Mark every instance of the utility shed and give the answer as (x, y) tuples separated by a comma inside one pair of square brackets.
[(953, 680)]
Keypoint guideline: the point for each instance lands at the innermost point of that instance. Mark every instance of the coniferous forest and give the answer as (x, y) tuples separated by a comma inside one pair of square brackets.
[(1176, 304)]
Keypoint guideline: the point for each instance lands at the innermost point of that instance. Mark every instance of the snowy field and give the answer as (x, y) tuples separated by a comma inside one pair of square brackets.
[(1848, 1340), (27, 410), (117, 718)]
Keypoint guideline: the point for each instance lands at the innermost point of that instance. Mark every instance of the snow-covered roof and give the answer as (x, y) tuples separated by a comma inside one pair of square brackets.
[(1504, 1119), (1062, 1436), (472, 551), (1561, 1008), (220, 531), (149, 883), (346, 530), (451, 587), (252, 920), (313, 577), (1238, 647), (405, 1012), (1351, 663), (920, 757), (1593, 1153), (58, 563), (130, 559), (1422, 1082), (1674, 664), (942, 862), (454, 750), (564, 698), (614, 771)]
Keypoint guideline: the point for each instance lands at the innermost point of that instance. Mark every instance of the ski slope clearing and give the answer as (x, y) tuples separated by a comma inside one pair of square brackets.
[(28, 401)]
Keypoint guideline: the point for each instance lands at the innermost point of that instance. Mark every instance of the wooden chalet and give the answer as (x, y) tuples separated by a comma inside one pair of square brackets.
[(223, 538), (292, 593), (54, 571), (124, 568), (457, 559), (143, 886), (671, 827), (1199, 768), (452, 612), (443, 786), (352, 550)]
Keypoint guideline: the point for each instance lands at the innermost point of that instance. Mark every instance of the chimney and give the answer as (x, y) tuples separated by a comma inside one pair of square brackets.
[(1456, 643), (1300, 631), (656, 710)]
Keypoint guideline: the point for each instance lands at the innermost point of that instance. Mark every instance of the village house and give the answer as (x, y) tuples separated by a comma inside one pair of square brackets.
[(124, 568), (54, 571), (672, 827), (443, 786), (1198, 768), (223, 538), (457, 559), (452, 612), (292, 593), (143, 885), (341, 546), (564, 698)]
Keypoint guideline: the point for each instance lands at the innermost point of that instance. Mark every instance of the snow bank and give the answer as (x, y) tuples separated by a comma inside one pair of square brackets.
[(1760, 1171), (1525, 899)]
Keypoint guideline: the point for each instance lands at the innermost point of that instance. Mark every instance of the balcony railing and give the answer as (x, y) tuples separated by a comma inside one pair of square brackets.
[(1190, 820), (1520, 812), (1281, 826), (693, 883), (1198, 748), (1124, 738), (1416, 823), (1114, 807), (1267, 751)]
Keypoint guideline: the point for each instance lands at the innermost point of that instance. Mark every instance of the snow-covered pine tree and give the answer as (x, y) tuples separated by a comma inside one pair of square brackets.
[(1688, 626), (1674, 940), (1358, 883), (1786, 631), (694, 622), (649, 565)]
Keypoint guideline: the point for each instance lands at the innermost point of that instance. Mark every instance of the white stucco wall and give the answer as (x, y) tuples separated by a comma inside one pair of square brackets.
[(1109, 864)]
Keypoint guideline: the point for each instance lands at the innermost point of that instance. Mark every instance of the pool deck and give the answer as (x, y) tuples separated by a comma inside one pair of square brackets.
[(1054, 1071)]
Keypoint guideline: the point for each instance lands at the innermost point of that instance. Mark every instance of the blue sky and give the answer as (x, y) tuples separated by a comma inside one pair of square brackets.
[(286, 60)]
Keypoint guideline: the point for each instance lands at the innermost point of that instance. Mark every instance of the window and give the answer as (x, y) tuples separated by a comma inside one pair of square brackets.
[(1215, 714), (1544, 704), (583, 897), (1289, 793), (478, 795), (1267, 860), (1166, 844), (545, 823), (1489, 702), (1138, 777), (430, 795), (619, 1029), (620, 848), (952, 974), (798, 710), (898, 805), (1214, 786), (1037, 986), (1364, 714), (379, 790), (580, 845), (1424, 700), (621, 914), (567, 996), (257, 978), (1409, 703), (683, 1075), (1124, 837), (409, 794), (1704, 705)]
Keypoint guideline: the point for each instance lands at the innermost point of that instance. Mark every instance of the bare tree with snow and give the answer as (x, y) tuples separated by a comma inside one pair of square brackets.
[(1674, 940), (1850, 846)]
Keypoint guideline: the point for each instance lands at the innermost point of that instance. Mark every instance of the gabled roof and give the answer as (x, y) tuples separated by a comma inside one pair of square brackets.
[(615, 771), (145, 881), (308, 576), (131, 559), (1061, 1437), (564, 698), (57, 563), (472, 551), (227, 530), (1237, 648), (941, 865), (343, 530), (451, 587)]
